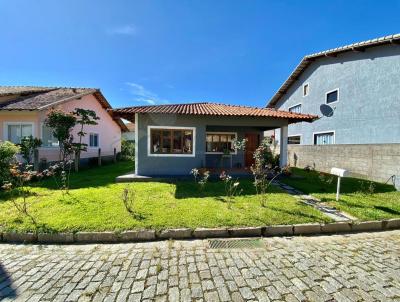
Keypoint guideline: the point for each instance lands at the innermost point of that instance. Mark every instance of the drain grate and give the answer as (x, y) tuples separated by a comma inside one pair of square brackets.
[(235, 244)]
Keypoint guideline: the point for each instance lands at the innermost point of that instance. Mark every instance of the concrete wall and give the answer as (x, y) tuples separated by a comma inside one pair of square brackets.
[(374, 161), (165, 165), (368, 110)]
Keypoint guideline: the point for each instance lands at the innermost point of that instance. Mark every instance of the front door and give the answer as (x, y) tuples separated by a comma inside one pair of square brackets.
[(253, 141)]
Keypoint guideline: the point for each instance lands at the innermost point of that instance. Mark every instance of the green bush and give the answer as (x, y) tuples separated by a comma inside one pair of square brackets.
[(128, 150), (8, 151)]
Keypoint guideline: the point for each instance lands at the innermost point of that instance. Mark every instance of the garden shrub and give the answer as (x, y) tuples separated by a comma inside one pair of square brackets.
[(8, 152), (28, 146), (127, 150)]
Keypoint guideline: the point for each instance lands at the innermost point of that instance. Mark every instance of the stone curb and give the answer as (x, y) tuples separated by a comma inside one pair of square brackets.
[(142, 235), (245, 232), (201, 233), (55, 237), (95, 237), (183, 233)]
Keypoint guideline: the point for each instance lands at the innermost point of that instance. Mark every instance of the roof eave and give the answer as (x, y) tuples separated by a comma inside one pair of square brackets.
[(308, 59)]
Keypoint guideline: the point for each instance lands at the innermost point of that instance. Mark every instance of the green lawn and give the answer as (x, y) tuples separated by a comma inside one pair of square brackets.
[(94, 204), (380, 202)]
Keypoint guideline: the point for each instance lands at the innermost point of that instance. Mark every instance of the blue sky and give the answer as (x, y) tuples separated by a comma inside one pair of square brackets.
[(156, 52)]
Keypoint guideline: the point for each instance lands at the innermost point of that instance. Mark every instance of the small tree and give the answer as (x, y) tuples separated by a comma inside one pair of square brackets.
[(28, 145), (84, 117), (231, 187), (261, 168), (21, 175), (62, 124)]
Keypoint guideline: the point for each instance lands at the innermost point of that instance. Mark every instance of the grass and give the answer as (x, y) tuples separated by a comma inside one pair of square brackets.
[(362, 199), (94, 204)]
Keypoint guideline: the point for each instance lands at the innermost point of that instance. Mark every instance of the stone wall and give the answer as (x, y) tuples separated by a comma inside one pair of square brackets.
[(376, 161)]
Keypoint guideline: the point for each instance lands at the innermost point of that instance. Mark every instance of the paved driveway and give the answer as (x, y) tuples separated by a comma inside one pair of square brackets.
[(358, 267)]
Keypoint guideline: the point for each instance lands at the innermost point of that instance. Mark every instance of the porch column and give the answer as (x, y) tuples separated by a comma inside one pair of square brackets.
[(283, 146), (136, 143)]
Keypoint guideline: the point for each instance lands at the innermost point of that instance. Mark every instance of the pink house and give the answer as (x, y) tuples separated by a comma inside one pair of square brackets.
[(23, 110)]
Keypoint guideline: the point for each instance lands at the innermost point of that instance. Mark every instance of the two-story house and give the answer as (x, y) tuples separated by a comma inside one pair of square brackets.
[(355, 91)]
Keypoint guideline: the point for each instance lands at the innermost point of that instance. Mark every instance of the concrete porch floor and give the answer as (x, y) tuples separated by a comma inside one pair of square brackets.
[(214, 173)]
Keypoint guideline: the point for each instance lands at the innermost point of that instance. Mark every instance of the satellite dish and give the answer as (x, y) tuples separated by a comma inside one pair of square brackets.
[(326, 110)]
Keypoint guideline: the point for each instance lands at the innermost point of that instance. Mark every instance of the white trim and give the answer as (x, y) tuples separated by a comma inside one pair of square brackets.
[(217, 132), (302, 92), (326, 96), (323, 132), (295, 135), (136, 143), (98, 140), (193, 154), (6, 124), (295, 106)]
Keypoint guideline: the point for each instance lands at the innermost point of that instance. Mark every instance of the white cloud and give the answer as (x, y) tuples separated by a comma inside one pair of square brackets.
[(127, 30), (142, 95)]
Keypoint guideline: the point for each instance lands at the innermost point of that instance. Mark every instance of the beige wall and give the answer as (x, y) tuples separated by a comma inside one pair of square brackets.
[(375, 161), (109, 132)]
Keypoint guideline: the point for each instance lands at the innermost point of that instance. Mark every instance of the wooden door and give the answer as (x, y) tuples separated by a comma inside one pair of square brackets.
[(253, 141)]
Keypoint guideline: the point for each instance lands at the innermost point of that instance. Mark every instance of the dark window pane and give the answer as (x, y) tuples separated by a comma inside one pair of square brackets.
[(332, 97), (294, 140), (188, 142), (177, 144), (166, 141), (155, 141)]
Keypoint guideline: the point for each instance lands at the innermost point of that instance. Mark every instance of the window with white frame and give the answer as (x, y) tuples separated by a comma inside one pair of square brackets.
[(324, 138), (93, 140), (220, 142), (295, 108), (306, 89), (294, 140), (48, 139), (16, 131), (332, 96), (171, 141)]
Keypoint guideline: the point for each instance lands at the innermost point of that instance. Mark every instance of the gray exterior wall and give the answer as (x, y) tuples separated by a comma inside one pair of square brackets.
[(368, 110), (374, 161), (150, 165)]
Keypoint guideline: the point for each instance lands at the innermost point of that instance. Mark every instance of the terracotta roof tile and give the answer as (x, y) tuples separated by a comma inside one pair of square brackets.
[(14, 98), (35, 98), (214, 109)]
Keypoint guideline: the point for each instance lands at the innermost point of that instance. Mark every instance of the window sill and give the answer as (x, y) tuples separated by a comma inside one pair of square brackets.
[(222, 153), (170, 155)]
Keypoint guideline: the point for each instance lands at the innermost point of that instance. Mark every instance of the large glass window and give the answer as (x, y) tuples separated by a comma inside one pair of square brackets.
[(220, 142), (17, 131), (48, 139), (171, 141), (327, 138)]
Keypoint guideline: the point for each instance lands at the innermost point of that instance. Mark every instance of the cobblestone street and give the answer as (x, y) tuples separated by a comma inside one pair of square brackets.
[(357, 267)]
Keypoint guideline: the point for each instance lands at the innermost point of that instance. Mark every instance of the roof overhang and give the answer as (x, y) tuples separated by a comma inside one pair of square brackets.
[(212, 109), (307, 60)]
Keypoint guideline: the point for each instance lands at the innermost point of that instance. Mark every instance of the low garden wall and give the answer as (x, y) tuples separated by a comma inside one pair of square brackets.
[(376, 162), (201, 233)]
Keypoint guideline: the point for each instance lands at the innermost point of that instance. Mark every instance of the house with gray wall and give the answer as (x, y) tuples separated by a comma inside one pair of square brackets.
[(355, 91), (173, 139)]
